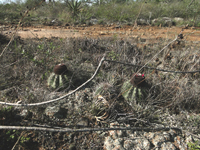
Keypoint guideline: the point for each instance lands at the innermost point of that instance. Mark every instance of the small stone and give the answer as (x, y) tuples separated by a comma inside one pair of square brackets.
[(167, 146), (128, 144)]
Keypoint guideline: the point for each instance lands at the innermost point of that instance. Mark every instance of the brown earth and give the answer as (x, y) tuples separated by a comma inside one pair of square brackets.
[(97, 31)]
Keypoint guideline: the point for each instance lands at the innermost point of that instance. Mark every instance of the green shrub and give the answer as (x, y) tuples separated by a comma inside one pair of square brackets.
[(114, 11), (194, 146)]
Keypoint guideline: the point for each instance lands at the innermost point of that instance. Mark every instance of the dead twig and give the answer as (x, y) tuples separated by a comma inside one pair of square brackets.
[(18, 140), (135, 24)]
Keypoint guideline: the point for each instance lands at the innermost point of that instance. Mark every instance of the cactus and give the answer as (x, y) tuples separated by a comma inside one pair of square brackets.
[(59, 76), (134, 90), (103, 89)]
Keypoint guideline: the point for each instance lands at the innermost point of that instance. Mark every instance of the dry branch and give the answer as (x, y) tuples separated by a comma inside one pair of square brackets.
[(18, 140), (58, 129)]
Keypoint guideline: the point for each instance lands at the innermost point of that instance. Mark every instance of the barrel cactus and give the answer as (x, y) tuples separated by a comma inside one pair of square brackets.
[(135, 90), (59, 76)]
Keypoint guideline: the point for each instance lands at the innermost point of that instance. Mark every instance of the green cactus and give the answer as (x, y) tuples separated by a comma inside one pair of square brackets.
[(59, 76), (134, 93), (56, 81)]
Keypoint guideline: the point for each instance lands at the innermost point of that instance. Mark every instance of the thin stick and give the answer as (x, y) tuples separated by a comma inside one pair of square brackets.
[(156, 55), (163, 70), (18, 140), (135, 24), (88, 129), (159, 52)]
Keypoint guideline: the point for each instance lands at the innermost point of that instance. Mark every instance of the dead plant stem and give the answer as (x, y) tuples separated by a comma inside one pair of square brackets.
[(18, 140)]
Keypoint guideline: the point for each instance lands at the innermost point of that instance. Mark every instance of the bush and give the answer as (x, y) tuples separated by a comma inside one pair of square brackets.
[(109, 12)]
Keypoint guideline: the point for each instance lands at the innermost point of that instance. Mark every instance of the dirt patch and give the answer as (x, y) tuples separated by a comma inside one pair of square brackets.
[(96, 31)]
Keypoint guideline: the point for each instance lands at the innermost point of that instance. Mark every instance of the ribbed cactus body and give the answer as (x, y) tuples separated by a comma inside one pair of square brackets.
[(59, 76), (56, 81), (134, 90)]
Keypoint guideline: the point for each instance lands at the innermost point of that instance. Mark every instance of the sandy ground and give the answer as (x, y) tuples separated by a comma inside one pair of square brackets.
[(147, 32)]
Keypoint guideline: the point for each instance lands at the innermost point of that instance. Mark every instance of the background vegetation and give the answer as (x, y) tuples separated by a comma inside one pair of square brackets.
[(115, 11)]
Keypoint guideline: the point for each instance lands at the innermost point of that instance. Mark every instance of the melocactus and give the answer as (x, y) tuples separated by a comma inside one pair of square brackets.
[(59, 76)]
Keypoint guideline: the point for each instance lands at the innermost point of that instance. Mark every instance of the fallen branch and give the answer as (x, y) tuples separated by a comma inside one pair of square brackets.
[(57, 129)]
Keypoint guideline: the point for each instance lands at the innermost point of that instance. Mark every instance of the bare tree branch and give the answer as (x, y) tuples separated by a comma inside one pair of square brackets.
[(156, 54)]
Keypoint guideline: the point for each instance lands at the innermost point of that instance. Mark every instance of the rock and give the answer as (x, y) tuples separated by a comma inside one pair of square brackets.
[(128, 144), (164, 21), (93, 21), (178, 19), (56, 111), (142, 22), (24, 112), (108, 143), (180, 143), (129, 139), (167, 146), (83, 122)]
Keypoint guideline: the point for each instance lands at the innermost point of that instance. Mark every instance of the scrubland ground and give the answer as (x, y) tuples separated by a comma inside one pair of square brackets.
[(159, 39), (172, 100)]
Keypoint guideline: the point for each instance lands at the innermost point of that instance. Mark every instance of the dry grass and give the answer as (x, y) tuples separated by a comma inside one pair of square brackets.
[(27, 64)]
